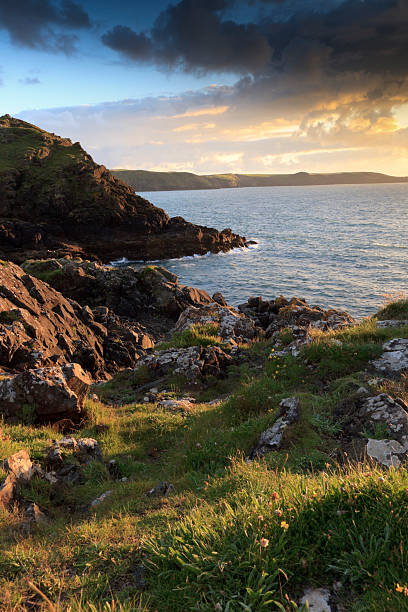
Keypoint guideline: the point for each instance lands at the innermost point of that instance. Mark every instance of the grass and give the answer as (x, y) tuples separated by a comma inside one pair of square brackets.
[(204, 546), (199, 335), (394, 310)]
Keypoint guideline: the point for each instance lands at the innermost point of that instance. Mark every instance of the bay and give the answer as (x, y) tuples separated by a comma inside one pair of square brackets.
[(343, 246)]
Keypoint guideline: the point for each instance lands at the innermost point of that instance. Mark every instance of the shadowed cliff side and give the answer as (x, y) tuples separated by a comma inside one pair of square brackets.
[(54, 198)]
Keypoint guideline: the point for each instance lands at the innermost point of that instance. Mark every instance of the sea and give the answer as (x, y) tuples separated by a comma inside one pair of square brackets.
[(341, 246)]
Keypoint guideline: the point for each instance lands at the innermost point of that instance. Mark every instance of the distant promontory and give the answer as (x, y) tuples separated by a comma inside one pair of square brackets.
[(144, 180)]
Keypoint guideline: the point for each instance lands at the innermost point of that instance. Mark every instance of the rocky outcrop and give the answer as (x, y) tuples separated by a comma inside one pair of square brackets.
[(194, 363), (49, 393), (231, 324), (129, 292), (39, 327), (53, 197), (382, 420), (295, 314)]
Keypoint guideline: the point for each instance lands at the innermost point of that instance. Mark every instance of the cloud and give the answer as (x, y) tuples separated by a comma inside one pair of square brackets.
[(315, 133), (193, 36), (200, 36), (29, 81), (43, 24), (321, 86)]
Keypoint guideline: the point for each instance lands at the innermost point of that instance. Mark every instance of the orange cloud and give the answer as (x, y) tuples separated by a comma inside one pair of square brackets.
[(215, 110)]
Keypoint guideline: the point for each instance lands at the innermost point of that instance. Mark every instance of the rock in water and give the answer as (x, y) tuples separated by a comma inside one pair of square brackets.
[(54, 197), (51, 393)]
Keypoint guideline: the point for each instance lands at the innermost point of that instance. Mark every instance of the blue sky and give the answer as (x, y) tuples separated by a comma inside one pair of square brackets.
[(214, 85)]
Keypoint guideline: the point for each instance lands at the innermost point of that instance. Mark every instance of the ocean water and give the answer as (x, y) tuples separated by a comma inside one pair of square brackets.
[(340, 246)]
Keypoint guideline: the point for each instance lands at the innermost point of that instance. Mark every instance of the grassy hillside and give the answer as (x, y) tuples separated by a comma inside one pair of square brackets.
[(143, 180), (21, 143), (232, 535)]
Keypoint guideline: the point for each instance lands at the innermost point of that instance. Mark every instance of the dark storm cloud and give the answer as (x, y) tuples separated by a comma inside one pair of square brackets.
[(200, 35), (43, 24), (193, 36)]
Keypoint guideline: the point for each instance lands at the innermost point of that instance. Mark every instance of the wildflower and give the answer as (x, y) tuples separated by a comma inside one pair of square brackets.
[(402, 589), (218, 607), (260, 517), (284, 525), (275, 496), (278, 512), (264, 543)]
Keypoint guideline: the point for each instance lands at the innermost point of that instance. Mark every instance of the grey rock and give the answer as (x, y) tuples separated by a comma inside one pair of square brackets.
[(194, 362), (271, 438), (391, 323), (163, 489), (183, 406), (317, 599), (98, 500), (232, 325), (383, 409), (88, 449), (53, 392), (386, 452), (394, 358)]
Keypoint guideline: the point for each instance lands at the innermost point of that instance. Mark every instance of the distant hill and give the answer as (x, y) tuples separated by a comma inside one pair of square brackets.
[(144, 180)]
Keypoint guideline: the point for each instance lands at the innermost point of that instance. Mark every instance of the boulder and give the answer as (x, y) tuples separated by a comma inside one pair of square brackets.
[(50, 393), (231, 324), (271, 438), (394, 358), (20, 472), (194, 362), (316, 600), (172, 405), (163, 489), (83, 449), (295, 314), (387, 452)]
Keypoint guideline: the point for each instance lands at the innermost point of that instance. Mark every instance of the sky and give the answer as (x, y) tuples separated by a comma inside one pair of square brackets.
[(257, 86)]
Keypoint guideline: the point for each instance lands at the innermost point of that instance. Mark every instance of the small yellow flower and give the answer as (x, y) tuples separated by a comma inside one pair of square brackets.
[(399, 588), (264, 543), (284, 525)]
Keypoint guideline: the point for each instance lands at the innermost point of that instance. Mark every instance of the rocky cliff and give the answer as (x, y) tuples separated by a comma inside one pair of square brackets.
[(54, 198)]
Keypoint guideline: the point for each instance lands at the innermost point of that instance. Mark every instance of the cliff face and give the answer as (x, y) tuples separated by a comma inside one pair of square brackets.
[(53, 197)]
